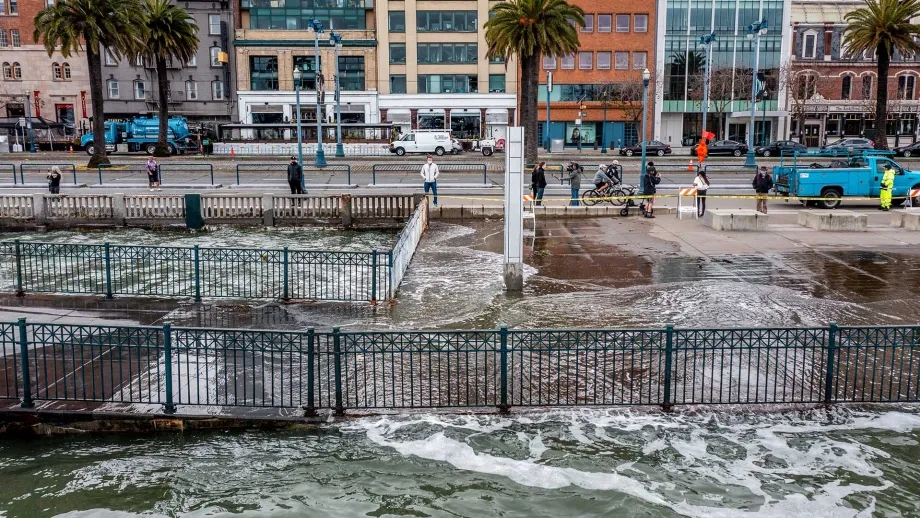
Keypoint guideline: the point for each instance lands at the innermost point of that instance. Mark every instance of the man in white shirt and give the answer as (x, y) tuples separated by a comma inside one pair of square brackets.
[(430, 174)]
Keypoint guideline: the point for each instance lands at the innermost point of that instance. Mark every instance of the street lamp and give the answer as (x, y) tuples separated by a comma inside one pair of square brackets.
[(754, 32), (317, 27), (297, 75), (549, 92), (605, 95), (335, 39), (29, 122), (645, 78), (706, 41)]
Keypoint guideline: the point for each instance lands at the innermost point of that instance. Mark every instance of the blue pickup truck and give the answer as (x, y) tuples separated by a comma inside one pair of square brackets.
[(834, 180)]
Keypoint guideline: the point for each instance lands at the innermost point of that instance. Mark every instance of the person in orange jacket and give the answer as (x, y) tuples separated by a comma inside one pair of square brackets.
[(702, 151)]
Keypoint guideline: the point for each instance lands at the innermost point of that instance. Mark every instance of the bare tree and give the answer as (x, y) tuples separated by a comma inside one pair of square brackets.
[(726, 85), (625, 97), (802, 87)]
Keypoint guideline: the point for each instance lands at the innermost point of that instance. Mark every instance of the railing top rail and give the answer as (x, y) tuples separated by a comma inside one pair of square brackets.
[(36, 165), (205, 248), (161, 165), (282, 166), (444, 166)]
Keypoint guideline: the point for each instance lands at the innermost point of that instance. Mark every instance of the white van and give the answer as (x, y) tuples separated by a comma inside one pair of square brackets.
[(437, 142)]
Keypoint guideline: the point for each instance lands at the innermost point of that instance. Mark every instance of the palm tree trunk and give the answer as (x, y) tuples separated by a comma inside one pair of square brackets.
[(881, 101), (94, 62), (529, 84), (163, 112)]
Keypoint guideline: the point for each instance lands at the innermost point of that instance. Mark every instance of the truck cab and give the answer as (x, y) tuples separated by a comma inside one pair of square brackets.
[(140, 134)]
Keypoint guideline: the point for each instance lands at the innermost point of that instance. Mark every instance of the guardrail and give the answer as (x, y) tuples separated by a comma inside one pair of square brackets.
[(265, 149), (165, 167), (9, 169), (281, 168), (443, 167), (730, 168), (501, 368), (44, 169)]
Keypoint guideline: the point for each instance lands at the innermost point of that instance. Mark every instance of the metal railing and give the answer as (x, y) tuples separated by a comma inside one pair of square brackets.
[(44, 169), (729, 168), (6, 169), (280, 168), (166, 167), (462, 369), (443, 167)]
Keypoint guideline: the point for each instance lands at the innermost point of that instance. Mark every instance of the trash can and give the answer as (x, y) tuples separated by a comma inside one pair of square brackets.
[(556, 145)]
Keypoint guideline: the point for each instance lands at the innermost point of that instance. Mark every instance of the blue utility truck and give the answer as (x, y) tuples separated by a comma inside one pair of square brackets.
[(140, 134), (834, 179)]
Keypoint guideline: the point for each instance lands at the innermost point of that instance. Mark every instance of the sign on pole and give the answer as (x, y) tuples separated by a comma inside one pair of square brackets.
[(514, 210)]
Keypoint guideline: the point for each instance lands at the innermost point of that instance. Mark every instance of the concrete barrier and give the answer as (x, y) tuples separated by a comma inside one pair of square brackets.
[(736, 220), (833, 220), (907, 218)]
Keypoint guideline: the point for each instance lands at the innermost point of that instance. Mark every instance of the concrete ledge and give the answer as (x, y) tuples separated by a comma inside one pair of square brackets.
[(833, 220), (736, 220), (907, 218)]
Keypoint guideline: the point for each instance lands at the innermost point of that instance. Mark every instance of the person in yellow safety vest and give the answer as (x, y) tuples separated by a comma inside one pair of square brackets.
[(887, 184)]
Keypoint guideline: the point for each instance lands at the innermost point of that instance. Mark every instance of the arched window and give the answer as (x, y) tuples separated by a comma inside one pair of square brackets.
[(7, 71), (806, 86), (65, 71), (17, 71), (56, 71), (846, 87), (906, 84), (867, 87)]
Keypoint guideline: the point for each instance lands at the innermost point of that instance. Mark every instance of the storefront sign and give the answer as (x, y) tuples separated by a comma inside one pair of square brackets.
[(38, 103)]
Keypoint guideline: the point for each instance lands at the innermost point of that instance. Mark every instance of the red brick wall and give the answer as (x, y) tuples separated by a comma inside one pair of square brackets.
[(24, 21)]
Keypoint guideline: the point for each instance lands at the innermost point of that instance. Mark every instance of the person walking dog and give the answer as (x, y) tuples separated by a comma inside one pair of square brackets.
[(430, 174), (295, 177)]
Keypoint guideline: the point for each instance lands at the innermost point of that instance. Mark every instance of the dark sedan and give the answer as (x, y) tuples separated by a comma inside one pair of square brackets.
[(652, 147), (847, 146), (780, 148), (724, 147), (909, 151)]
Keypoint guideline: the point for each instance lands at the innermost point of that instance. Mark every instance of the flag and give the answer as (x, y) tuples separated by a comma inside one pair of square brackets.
[(708, 135)]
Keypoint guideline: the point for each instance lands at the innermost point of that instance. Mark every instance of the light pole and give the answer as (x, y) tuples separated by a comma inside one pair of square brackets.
[(335, 39), (645, 79), (549, 91), (29, 123), (297, 75), (706, 41), (317, 27), (605, 97), (754, 32)]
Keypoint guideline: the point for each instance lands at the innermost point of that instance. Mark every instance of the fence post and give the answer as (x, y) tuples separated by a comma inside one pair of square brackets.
[(831, 352), (310, 409), (197, 257), (337, 355), (74, 169), (211, 167), (108, 272), (349, 173), (285, 294), (485, 176), (374, 277), (168, 406), (22, 174), (668, 361), (99, 168), (237, 174), (503, 368), (20, 292), (27, 401), (390, 274), (373, 174)]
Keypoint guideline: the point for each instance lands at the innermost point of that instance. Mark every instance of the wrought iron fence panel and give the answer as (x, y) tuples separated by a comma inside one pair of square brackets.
[(152, 270), (241, 273), (10, 366), (328, 275), (877, 364), (63, 268)]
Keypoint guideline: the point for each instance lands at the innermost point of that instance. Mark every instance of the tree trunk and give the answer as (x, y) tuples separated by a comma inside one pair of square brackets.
[(94, 62), (881, 101), (162, 148), (529, 84)]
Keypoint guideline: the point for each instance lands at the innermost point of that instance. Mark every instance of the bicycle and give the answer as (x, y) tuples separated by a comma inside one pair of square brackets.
[(617, 195)]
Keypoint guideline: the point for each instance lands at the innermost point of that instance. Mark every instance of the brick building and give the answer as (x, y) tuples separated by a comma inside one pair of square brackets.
[(617, 44)]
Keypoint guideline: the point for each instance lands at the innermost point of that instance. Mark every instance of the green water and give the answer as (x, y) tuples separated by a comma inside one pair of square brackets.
[(836, 463)]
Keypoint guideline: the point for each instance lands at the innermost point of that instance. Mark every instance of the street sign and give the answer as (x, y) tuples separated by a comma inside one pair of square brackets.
[(22, 122), (578, 122), (549, 82)]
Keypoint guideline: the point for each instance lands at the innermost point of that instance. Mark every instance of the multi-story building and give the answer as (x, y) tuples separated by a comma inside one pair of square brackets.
[(678, 103), (832, 92), (200, 90), (58, 87), (617, 44)]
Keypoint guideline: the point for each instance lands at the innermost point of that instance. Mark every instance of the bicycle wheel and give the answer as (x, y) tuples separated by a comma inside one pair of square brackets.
[(590, 197), (619, 197)]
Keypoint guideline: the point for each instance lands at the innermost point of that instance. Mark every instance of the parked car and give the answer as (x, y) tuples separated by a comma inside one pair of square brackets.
[(780, 148), (652, 147), (846, 146), (908, 151), (455, 146), (723, 147)]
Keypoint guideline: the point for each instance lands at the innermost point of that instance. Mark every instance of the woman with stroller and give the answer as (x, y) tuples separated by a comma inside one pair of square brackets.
[(701, 184)]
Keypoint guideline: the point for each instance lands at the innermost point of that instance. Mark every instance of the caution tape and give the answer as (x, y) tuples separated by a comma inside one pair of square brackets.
[(660, 196)]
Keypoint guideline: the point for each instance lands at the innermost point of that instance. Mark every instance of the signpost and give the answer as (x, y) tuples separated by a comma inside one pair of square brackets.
[(514, 210)]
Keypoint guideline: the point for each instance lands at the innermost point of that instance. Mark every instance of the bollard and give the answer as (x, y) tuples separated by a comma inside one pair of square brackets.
[(310, 409), (27, 401), (668, 359), (168, 406)]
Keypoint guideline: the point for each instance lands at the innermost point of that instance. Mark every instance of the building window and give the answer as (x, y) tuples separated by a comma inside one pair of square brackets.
[(351, 73), (622, 23), (65, 71), (110, 60), (4, 43), (446, 21), (191, 90), (640, 23), (603, 61), (640, 60), (906, 87), (496, 82), (14, 36), (585, 60), (138, 60), (448, 84), (217, 90), (56, 71), (214, 24), (809, 45), (114, 92), (806, 87), (307, 67), (2, 7), (215, 56), (263, 72), (846, 86), (397, 21), (603, 22), (49, 3), (17, 71), (549, 62), (7, 71), (295, 15), (589, 23), (568, 62), (447, 53), (140, 90), (397, 52), (622, 61), (867, 87), (14, 7), (192, 62), (398, 84)]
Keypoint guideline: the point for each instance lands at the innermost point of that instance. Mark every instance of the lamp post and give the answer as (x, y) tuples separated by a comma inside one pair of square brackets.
[(317, 27), (549, 91), (645, 79), (335, 39), (29, 123), (706, 41), (754, 32), (606, 98), (297, 75)]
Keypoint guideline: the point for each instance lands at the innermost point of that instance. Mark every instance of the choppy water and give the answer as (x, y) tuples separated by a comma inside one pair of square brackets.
[(816, 463)]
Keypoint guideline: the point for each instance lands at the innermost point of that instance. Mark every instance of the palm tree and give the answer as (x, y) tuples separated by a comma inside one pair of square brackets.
[(171, 34), (883, 27), (91, 25), (529, 29)]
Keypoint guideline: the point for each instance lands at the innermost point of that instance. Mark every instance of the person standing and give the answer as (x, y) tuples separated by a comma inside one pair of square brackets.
[(153, 174), (762, 184), (295, 177), (649, 188), (538, 181), (54, 180), (430, 174), (575, 181), (701, 184), (885, 190)]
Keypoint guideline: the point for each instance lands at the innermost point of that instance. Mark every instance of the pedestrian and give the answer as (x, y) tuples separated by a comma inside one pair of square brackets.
[(153, 174), (538, 181), (575, 172), (54, 180), (430, 174), (887, 185), (649, 188), (702, 151), (762, 184), (701, 184), (295, 177)]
